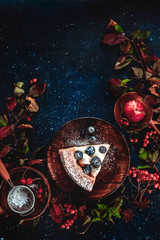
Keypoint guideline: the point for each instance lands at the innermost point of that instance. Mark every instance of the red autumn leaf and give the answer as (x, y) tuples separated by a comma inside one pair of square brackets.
[(114, 81), (112, 39), (22, 126), (144, 56), (5, 150), (6, 131), (150, 99), (153, 58), (122, 58), (11, 103), (37, 89), (36, 161), (126, 48), (57, 212), (150, 70), (111, 25)]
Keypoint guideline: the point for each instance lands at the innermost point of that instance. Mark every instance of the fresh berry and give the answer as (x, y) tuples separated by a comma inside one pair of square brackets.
[(28, 119), (90, 150), (78, 155), (29, 181), (125, 123), (91, 129), (34, 80), (156, 185), (132, 140), (135, 140), (39, 195), (40, 190), (149, 191), (23, 181), (102, 149), (62, 226), (31, 81), (92, 139), (87, 169), (134, 111), (95, 162)]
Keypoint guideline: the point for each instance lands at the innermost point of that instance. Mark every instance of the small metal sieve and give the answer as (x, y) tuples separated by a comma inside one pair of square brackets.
[(21, 200)]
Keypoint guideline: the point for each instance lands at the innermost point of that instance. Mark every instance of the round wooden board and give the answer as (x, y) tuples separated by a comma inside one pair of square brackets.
[(16, 175), (114, 167)]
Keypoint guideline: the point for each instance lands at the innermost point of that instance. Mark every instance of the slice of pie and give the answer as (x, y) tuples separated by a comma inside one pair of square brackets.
[(83, 163)]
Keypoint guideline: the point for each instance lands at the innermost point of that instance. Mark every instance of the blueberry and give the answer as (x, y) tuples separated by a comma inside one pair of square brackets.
[(95, 162), (92, 139), (102, 149), (87, 169), (90, 150), (78, 155), (91, 129)]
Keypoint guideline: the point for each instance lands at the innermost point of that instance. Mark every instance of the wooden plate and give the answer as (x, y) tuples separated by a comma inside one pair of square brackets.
[(114, 167), (16, 174)]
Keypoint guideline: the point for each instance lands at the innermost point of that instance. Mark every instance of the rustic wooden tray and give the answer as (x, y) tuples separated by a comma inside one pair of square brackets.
[(114, 167)]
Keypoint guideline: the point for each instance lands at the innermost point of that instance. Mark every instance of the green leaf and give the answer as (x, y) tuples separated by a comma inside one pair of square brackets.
[(143, 167), (113, 211), (96, 220), (135, 33), (119, 65), (155, 156), (102, 206), (143, 154), (145, 34), (95, 213), (119, 28), (86, 220), (105, 214), (125, 81), (3, 122)]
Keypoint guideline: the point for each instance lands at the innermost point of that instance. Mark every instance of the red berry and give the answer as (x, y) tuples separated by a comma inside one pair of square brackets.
[(72, 221), (135, 140), (34, 80), (67, 227), (72, 211), (120, 121), (132, 140), (154, 178), (149, 126), (29, 181), (23, 181), (154, 132), (144, 144), (146, 172), (156, 185), (62, 226), (159, 187), (134, 175), (130, 172), (126, 123), (65, 205), (31, 82), (28, 119), (149, 191), (39, 195), (68, 209), (151, 175), (40, 190), (75, 217)]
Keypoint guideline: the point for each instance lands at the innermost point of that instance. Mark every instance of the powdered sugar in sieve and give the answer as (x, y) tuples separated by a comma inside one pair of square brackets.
[(21, 199)]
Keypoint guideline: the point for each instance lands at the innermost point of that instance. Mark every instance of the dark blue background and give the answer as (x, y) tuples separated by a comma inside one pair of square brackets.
[(58, 42)]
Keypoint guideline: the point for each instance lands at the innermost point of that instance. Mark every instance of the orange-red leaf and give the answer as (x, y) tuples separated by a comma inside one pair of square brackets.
[(112, 39), (6, 131), (11, 103)]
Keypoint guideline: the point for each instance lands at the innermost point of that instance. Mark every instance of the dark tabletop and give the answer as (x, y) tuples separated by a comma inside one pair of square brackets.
[(58, 42)]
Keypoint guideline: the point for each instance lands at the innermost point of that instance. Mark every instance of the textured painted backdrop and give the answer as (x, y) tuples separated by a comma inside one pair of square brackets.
[(58, 42)]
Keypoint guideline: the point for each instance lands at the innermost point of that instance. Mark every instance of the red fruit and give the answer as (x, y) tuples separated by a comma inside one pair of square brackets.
[(68, 209), (154, 178), (29, 181), (67, 227), (132, 140), (135, 140), (134, 175), (23, 181), (156, 185), (75, 217), (120, 121), (65, 205), (134, 111), (154, 132), (126, 124), (62, 226), (72, 211), (130, 172), (34, 80), (149, 191), (144, 144), (159, 187), (151, 175), (28, 119), (72, 221), (39, 195), (40, 190), (31, 82)]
